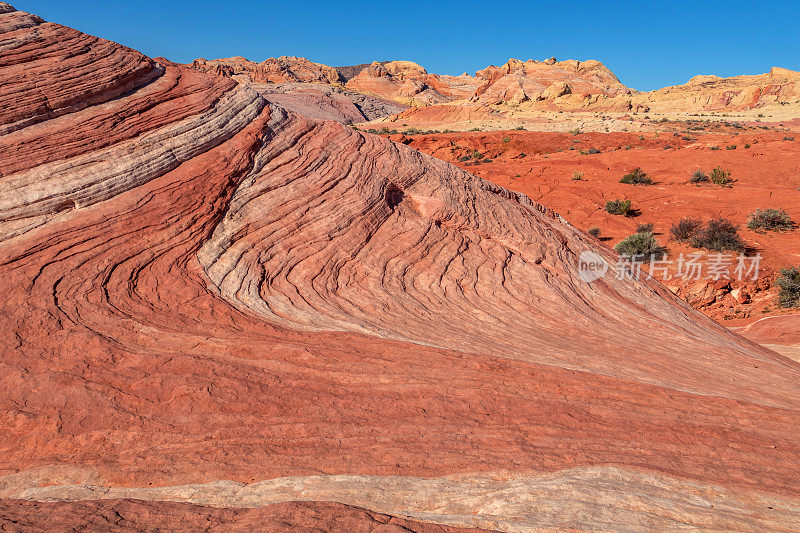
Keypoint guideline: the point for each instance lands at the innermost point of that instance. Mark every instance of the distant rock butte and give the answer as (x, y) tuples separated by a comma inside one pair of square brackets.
[(210, 300), (548, 85), (777, 88), (517, 81), (283, 69)]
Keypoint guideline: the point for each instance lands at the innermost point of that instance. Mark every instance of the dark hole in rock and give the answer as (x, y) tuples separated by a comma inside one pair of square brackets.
[(66, 206), (394, 195)]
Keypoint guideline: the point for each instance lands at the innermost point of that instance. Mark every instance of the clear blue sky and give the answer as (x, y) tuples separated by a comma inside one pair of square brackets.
[(647, 44)]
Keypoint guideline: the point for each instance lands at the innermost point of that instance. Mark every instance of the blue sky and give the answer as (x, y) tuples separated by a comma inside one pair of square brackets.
[(647, 44)]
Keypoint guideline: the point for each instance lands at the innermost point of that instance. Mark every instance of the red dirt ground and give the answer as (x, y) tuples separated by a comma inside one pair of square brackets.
[(764, 165)]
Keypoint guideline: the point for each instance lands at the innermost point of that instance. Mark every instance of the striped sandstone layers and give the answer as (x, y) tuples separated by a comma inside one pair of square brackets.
[(212, 306)]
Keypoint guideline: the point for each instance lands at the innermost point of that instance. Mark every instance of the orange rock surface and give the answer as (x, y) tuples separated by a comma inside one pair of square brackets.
[(210, 300), (283, 69), (135, 515), (767, 92)]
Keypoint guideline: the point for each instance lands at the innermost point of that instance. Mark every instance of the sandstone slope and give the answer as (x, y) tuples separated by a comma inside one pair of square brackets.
[(210, 300)]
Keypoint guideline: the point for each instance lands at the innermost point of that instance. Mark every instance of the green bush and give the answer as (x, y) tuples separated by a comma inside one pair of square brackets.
[(640, 244), (594, 231), (636, 177), (577, 175), (618, 207), (719, 235), (789, 285), (720, 177), (762, 220), (685, 229), (506, 139), (698, 176)]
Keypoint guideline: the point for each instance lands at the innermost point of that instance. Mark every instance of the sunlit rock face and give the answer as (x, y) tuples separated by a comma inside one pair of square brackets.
[(210, 300)]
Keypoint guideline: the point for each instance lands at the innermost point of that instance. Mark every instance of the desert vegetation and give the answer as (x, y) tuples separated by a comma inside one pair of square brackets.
[(646, 227), (718, 235), (789, 287), (637, 176), (720, 177), (685, 229), (698, 176), (642, 243), (618, 207), (763, 220)]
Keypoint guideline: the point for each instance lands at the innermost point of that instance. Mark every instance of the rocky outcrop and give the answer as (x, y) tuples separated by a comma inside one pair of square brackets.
[(403, 81), (773, 90), (210, 299), (284, 69), (518, 81)]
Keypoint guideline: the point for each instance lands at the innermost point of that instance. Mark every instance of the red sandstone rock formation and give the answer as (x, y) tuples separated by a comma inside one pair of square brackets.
[(773, 90), (283, 69), (407, 82), (210, 300), (516, 82), (137, 515)]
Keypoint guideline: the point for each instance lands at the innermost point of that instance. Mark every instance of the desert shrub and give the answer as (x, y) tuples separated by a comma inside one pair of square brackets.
[(576, 131), (719, 235), (720, 177), (618, 207), (506, 139), (577, 175), (636, 177), (685, 229), (640, 244), (476, 129), (594, 231), (646, 227), (770, 220), (713, 147), (698, 176), (747, 145), (519, 128), (731, 147), (788, 138), (789, 285)]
